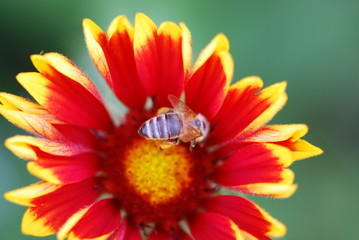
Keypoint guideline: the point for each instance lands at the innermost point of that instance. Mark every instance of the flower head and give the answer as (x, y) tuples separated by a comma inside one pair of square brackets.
[(102, 180)]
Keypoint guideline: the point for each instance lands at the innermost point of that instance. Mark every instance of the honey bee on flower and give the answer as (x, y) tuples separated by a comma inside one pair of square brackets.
[(179, 124)]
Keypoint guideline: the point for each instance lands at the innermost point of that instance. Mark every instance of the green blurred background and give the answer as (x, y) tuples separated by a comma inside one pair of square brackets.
[(312, 44)]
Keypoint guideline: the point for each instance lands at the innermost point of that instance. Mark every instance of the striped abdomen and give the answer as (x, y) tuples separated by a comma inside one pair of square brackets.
[(163, 126)]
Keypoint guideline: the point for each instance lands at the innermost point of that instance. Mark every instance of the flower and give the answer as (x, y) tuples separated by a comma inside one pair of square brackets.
[(102, 180)]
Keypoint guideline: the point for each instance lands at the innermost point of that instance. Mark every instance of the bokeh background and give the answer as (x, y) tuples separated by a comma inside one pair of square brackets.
[(312, 44)]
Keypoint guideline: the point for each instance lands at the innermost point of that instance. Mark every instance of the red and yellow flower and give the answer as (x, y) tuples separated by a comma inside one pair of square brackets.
[(102, 180)]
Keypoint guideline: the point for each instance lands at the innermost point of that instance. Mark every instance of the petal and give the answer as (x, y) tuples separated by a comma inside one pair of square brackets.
[(50, 211), (29, 116), (158, 55), (31, 123), (214, 226), (55, 161), (121, 60), (301, 149), (24, 196), (71, 222), (98, 222), (64, 169), (64, 97), (78, 136), (31, 225), (162, 235), (125, 231), (95, 39), (208, 85), (248, 236), (278, 133), (27, 147), (288, 136), (13, 102), (114, 58), (244, 110), (186, 49), (56, 65), (159, 235), (274, 190), (247, 215), (37, 120), (256, 164)]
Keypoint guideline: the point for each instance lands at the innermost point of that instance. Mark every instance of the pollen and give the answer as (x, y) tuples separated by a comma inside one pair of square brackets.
[(157, 175)]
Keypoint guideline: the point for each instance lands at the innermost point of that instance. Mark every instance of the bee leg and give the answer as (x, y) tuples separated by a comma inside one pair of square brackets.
[(164, 110), (193, 144), (168, 144)]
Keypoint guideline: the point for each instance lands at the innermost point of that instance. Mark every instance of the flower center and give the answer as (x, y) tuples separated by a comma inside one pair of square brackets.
[(153, 187), (157, 175)]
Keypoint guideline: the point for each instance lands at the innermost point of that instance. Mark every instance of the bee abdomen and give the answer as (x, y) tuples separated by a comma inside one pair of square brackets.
[(174, 125), (163, 126)]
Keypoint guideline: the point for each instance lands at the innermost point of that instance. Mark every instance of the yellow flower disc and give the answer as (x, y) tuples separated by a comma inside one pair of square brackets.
[(157, 175)]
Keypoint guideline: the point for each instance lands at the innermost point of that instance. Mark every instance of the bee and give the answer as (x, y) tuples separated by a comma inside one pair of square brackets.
[(176, 124)]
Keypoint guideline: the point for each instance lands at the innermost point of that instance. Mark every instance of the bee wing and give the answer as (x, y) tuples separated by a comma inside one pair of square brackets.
[(189, 133), (181, 108)]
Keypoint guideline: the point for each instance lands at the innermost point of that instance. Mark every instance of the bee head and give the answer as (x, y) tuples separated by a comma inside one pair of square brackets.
[(202, 123)]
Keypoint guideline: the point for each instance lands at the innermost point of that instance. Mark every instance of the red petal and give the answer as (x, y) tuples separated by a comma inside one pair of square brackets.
[(96, 41), (37, 120), (125, 232), (55, 64), (208, 85), (101, 219), (77, 136), (114, 57), (64, 97), (161, 235), (16, 103), (247, 215), (29, 116), (53, 209), (25, 195), (64, 169), (158, 55), (55, 161), (28, 148), (214, 226), (288, 136), (125, 80), (255, 163), (244, 111), (278, 133)]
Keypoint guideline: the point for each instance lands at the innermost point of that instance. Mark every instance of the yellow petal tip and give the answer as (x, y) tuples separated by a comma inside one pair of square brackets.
[(86, 21), (32, 225), (222, 42)]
